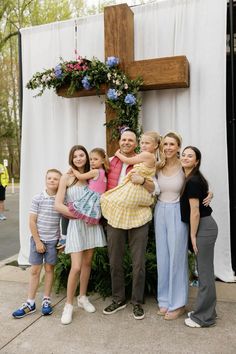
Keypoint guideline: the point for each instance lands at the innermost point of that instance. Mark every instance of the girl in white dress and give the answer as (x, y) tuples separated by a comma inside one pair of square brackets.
[(81, 237)]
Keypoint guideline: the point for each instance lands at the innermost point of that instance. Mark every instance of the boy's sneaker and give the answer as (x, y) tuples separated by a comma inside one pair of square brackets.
[(46, 307), (2, 217), (24, 310), (84, 302), (138, 312), (114, 307), (66, 317), (61, 244)]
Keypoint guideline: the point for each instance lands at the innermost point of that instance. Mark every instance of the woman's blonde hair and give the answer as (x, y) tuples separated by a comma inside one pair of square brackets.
[(177, 138), (158, 141), (102, 153)]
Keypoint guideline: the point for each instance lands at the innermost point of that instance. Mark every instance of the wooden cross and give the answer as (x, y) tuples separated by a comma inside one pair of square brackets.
[(161, 73)]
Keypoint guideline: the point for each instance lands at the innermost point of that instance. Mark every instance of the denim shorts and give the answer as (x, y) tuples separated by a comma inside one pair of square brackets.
[(49, 256)]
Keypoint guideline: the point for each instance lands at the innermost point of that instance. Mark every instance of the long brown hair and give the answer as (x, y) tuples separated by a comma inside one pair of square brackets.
[(102, 153), (71, 157), (196, 170)]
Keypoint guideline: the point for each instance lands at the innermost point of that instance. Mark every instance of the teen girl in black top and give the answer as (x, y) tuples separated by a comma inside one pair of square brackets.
[(203, 232)]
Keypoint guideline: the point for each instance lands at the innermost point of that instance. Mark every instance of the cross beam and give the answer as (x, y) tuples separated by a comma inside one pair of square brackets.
[(160, 73)]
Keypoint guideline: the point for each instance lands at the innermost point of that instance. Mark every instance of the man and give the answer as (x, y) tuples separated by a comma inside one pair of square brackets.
[(137, 237), (4, 179)]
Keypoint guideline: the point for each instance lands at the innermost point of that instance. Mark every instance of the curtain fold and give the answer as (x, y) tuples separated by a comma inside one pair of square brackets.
[(51, 125)]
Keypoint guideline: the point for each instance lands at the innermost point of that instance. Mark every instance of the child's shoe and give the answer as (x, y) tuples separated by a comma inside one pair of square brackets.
[(2, 217), (84, 302), (66, 317), (24, 310), (61, 244), (46, 307)]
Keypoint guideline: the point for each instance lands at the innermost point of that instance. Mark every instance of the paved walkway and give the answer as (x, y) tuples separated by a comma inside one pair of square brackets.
[(9, 229), (115, 334)]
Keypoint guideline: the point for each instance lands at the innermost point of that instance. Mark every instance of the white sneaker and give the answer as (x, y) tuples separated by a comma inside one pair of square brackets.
[(83, 302), (191, 323), (2, 217), (66, 317)]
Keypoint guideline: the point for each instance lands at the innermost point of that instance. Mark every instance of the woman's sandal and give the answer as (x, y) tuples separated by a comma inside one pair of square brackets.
[(162, 311), (173, 315)]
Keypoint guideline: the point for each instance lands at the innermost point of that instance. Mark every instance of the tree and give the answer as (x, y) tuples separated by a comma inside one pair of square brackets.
[(14, 15)]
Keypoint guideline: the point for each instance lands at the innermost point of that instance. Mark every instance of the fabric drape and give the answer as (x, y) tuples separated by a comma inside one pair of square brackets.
[(51, 124)]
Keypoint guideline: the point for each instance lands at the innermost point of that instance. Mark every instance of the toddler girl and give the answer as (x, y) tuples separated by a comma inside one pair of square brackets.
[(129, 205), (88, 207)]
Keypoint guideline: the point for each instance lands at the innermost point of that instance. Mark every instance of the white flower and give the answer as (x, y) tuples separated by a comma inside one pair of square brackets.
[(126, 86), (117, 82), (109, 76), (44, 78)]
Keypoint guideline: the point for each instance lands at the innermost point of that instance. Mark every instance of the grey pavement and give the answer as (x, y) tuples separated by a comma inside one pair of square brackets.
[(101, 334), (112, 334), (9, 229)]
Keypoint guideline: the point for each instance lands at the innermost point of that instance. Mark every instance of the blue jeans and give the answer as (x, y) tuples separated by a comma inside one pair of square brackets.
[(172, 256)]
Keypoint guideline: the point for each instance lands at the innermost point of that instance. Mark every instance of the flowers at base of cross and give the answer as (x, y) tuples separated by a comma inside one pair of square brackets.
[(130, 99), (122, 92), (86, 83), (58, 71), (112, 94), (112, 61)]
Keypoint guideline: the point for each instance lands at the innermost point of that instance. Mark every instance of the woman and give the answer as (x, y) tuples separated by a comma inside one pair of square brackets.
[(203, 233), (171, 234), (81, 238)]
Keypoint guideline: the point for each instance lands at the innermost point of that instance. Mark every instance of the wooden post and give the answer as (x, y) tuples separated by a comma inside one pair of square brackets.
[(119, 42)]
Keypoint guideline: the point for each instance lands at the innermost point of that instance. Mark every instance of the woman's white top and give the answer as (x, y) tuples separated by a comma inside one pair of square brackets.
[(170, 186)]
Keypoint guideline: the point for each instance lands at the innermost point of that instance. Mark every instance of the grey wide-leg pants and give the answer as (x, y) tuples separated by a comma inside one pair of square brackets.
[(137, 240), (205, 313)]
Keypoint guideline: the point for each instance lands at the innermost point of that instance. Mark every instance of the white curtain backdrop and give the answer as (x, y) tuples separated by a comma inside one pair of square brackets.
[(51, 125)]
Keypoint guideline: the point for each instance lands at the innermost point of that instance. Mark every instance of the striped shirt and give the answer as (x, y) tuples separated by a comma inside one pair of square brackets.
[(48, 219)]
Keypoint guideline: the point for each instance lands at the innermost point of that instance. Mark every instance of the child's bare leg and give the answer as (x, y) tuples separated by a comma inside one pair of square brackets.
[(49, 273), (76, 261), (85, 270), (35, 271)]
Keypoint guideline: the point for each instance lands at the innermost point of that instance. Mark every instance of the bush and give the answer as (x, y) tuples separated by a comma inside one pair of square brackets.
[(100, 279)]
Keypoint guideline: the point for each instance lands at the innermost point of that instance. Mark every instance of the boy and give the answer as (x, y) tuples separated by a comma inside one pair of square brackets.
[(44, 224)]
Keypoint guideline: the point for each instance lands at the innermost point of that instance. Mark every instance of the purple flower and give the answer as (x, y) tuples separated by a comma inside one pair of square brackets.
[(112, 61), (58, 71), (130, 99), (86, 83), (112, 94)]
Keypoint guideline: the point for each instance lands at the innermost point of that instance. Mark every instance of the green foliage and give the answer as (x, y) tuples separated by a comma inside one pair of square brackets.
[(100, 279), (122, 95), (192, 265), (62, 269)]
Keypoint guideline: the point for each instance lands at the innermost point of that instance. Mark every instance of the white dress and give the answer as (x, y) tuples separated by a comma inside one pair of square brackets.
[(82, 236)]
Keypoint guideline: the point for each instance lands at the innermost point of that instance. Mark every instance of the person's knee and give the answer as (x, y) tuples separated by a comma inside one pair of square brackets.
[(75, 269), (49, 268), (35, 271)]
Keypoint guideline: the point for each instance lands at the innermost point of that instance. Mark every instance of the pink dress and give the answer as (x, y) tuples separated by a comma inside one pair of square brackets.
[(88, 206)]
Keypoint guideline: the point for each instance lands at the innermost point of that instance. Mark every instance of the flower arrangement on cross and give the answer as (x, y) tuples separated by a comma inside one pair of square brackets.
[(122, 92)]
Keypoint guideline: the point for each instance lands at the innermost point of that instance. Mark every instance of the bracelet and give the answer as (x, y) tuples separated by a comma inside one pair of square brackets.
[(144, 180)]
